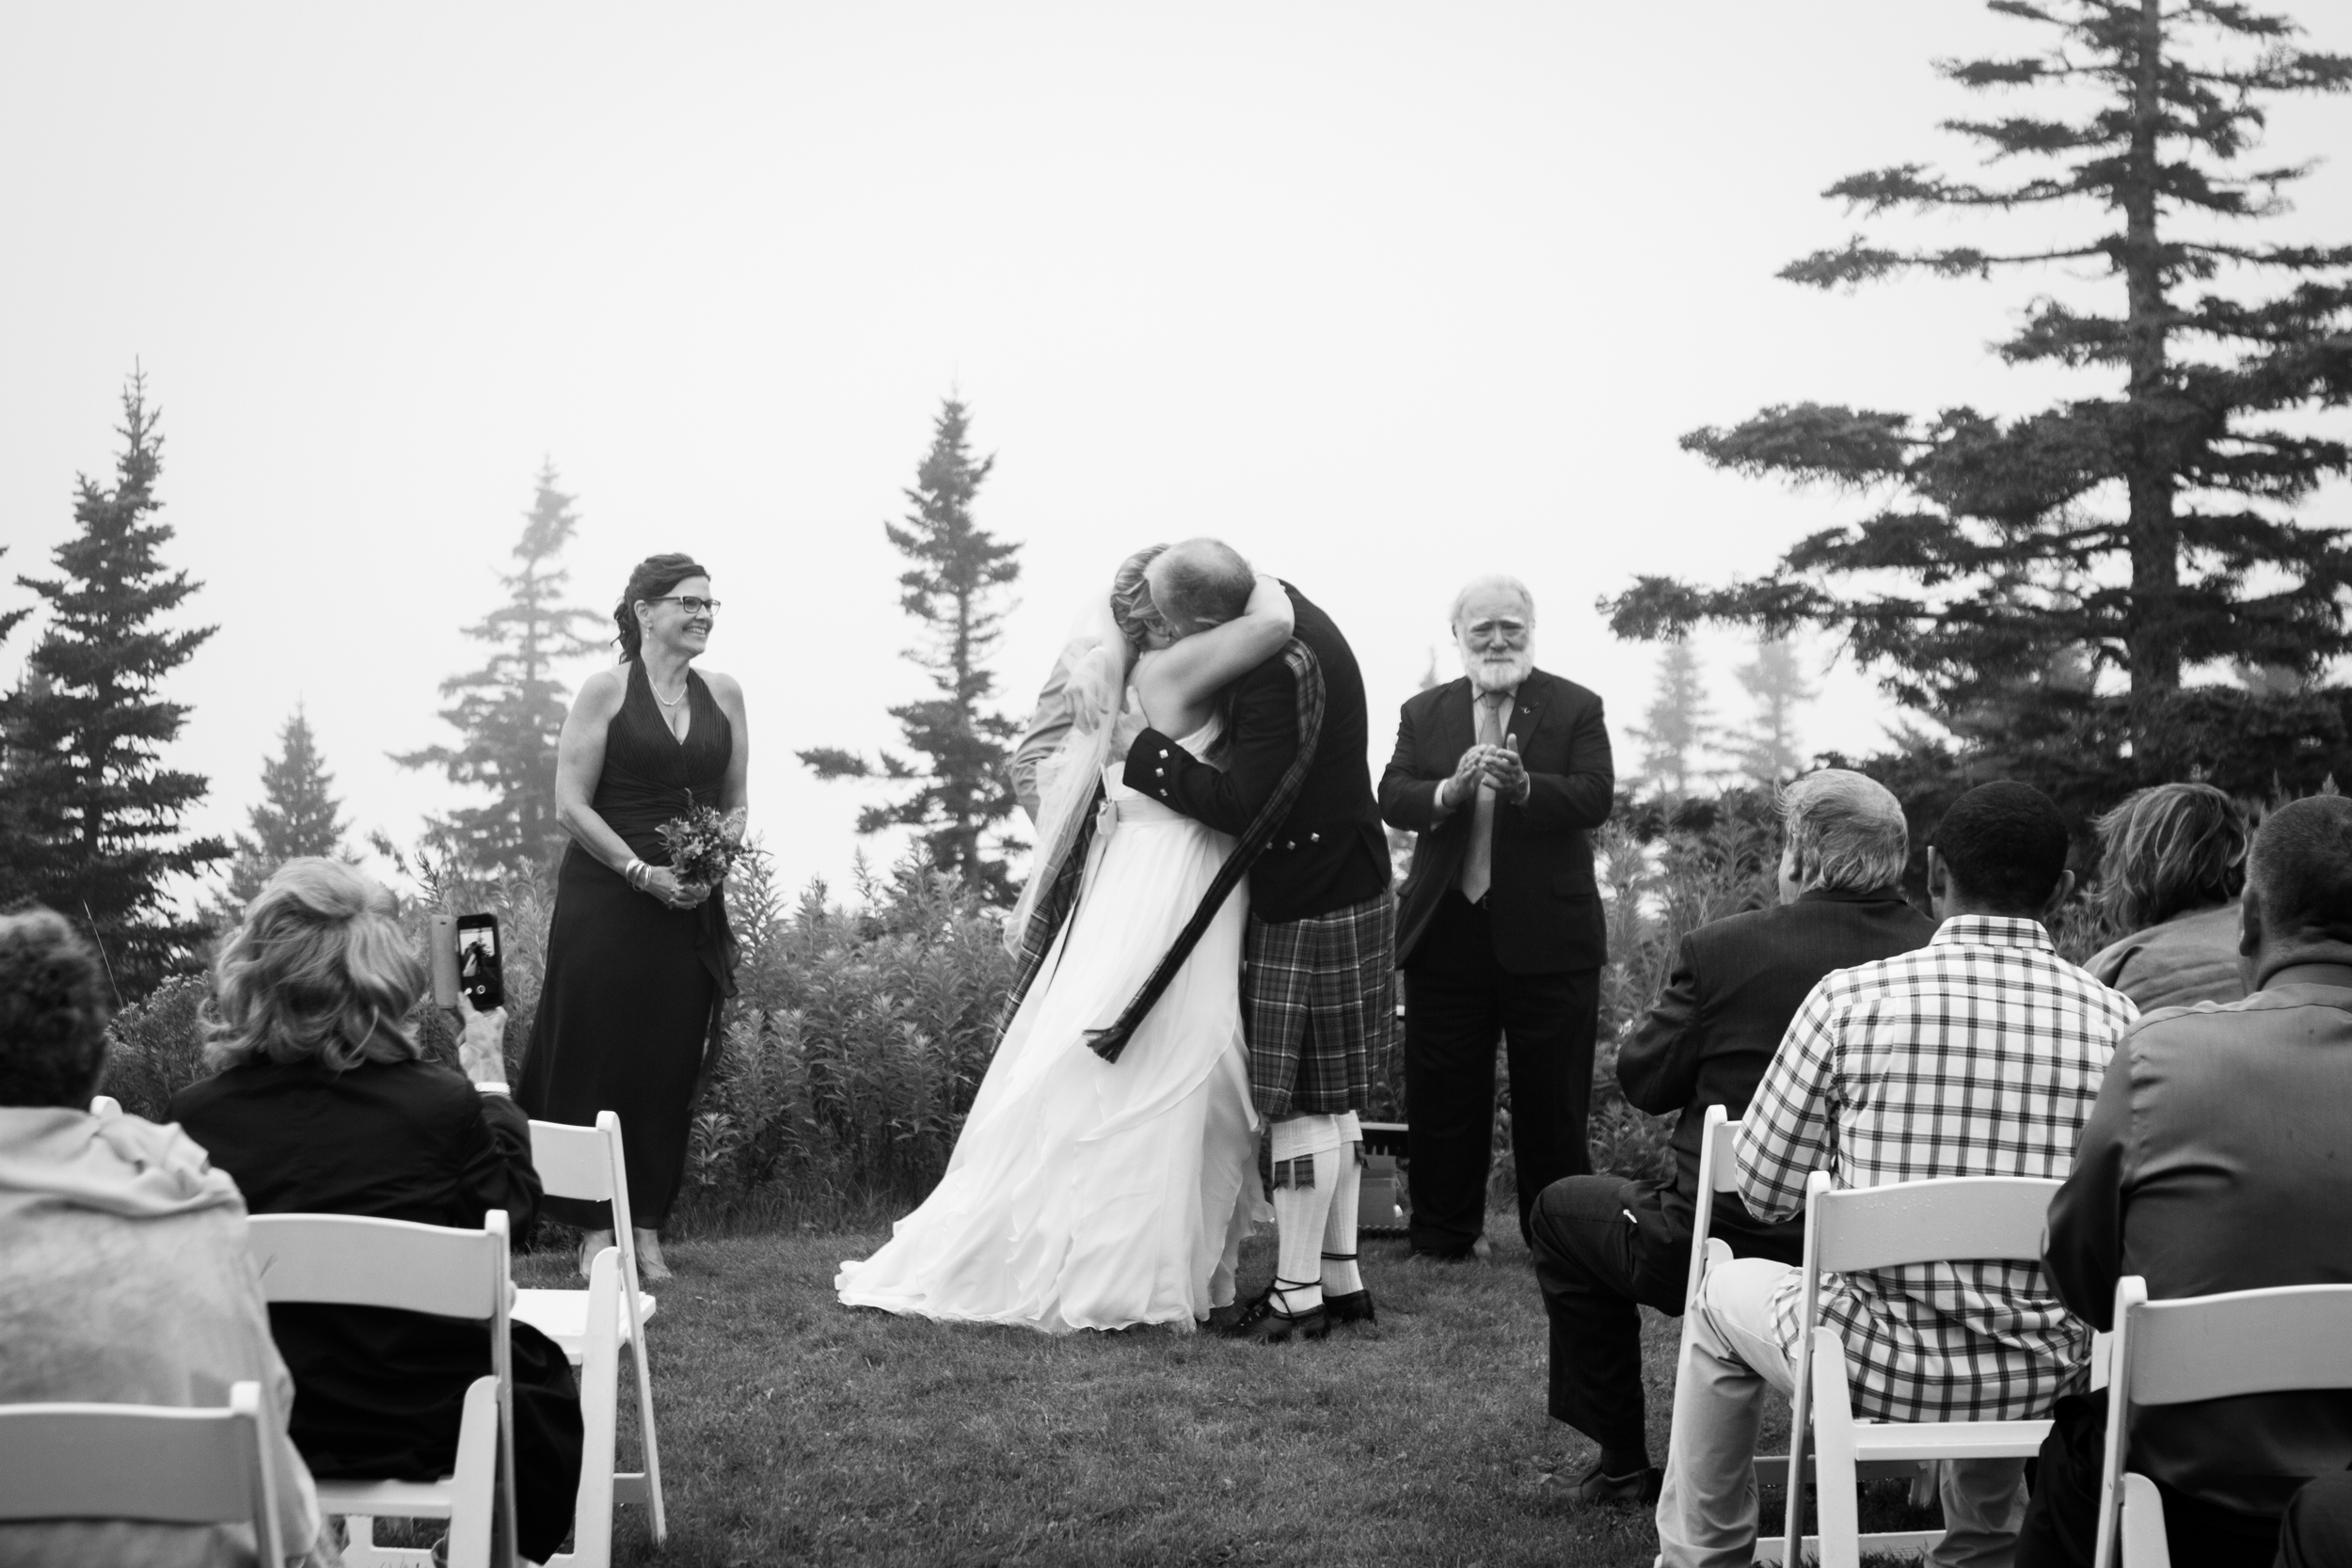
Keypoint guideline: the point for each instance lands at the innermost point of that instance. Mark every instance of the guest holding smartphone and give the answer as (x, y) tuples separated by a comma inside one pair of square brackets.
[(639, 959)]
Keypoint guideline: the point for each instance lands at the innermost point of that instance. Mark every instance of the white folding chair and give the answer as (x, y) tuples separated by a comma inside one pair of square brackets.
[(1951, 1219), (2285, 1339), (154, 1464), (587, 1163), (352, 1260), (1719, 1173)]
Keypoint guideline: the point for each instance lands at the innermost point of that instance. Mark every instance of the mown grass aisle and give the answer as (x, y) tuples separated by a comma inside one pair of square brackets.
[(797, 1430)]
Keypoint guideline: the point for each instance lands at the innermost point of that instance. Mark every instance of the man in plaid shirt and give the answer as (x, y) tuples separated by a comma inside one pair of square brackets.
[(1979, 1054)]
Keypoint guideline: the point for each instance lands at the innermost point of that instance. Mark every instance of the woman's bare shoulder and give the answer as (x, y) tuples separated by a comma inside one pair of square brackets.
[(722, 686), (603, 692)]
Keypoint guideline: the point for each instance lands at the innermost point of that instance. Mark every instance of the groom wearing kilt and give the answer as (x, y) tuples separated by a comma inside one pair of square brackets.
[(1318, 984)]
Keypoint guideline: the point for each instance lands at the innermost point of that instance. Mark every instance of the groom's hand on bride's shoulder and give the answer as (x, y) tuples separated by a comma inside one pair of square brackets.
[(1127, 730)]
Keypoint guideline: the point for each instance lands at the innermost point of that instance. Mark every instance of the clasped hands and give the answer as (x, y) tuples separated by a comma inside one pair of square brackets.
[(1498, 766)]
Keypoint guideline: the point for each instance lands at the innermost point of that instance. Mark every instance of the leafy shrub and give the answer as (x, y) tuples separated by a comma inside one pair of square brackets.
[(155, 1046), (854, 1049)]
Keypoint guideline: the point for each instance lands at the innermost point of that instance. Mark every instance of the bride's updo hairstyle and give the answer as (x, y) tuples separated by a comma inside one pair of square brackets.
[(654, 576), (1131, 596)]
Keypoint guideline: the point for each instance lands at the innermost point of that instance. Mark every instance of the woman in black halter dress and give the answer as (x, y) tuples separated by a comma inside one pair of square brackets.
[(638, 961)]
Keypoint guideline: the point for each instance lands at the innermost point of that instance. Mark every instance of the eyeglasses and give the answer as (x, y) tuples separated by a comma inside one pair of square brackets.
[(688, 603)]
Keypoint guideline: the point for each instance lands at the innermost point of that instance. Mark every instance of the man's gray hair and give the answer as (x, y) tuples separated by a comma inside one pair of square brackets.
[(1848, 832), (1495, 580)]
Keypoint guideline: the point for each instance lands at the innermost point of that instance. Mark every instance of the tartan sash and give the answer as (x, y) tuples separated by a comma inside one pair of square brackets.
[(1045, 920), (1308, 674)]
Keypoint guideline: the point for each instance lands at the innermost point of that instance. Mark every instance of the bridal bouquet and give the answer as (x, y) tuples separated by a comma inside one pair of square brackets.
[(702, 844)]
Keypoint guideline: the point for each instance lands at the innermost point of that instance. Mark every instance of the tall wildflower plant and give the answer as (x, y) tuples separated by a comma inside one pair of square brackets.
[(1657, 892)]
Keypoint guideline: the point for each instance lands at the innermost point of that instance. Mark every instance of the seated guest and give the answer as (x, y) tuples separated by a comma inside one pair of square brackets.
[(1604, 1243), (2317, 1530), (2173, 859), (127, 1279), (324, 1102), (1979, 1054), (2219, 1158)]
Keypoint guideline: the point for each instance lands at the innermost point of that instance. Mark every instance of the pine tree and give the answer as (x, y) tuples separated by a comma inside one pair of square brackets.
[(2147, 528), (298, 815), (93, 826), (1677, 726), (953, 590), (1775, 682), (511, 711)]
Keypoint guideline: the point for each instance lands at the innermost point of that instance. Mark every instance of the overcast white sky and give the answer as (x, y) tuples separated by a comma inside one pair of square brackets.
[(1386, 294)]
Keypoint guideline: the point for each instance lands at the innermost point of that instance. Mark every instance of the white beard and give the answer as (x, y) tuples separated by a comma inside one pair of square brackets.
[(1501, 671)]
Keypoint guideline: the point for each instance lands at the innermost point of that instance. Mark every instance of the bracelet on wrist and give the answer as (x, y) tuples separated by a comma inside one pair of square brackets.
[(634, 873)]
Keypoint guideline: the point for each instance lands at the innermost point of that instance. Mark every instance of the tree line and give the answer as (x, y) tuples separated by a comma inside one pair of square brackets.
[(92, 821), (2044, 588), (2110, 592)]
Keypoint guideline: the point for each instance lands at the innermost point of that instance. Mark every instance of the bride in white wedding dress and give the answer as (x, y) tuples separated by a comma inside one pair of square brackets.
[(1084, 1192)]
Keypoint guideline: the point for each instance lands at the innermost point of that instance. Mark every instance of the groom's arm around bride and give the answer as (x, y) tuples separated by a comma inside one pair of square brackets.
[(1328, 851)]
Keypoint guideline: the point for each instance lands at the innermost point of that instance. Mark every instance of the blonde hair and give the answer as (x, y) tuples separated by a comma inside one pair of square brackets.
[(319, 971), (2167, 850), (1131, 597)]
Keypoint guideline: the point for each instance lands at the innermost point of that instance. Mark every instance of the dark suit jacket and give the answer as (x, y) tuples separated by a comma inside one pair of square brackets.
[(1329, 852), (1736, 984), (376, 1391), (1547, 917)]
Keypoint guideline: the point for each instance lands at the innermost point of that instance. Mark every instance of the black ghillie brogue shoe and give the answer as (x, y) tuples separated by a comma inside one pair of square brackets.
[(1264, 1322), (1353, 1307)]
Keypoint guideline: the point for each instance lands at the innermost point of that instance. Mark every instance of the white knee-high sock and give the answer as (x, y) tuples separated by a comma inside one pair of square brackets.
[(1340, 1277), (1306, 1167)]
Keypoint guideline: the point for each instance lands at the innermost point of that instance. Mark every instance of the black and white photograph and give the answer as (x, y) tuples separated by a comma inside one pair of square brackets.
[(1536, 784)]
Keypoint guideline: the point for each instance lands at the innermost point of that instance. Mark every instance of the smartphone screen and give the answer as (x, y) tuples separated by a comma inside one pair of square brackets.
[(480, 973)]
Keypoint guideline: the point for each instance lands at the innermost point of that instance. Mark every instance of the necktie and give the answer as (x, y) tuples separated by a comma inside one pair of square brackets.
[(1478, 865)]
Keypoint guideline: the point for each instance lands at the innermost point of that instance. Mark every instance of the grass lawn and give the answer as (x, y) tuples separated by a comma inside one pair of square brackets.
[(795, 1430)]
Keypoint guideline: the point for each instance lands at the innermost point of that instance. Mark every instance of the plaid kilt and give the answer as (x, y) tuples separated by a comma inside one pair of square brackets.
[(1318, 1004)]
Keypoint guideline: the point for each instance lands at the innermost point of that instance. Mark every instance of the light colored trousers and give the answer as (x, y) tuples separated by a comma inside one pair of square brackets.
[(1707, 1514)]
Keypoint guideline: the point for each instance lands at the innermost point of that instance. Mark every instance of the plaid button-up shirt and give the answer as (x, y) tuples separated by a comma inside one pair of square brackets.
[(1979, 1054)]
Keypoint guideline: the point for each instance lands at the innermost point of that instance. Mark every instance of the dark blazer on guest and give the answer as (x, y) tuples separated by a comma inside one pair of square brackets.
[(379, 1392), (1547, 910), (1329, 853), (1736, 984)]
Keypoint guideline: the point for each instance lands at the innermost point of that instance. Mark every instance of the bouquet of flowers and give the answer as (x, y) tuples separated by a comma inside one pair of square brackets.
[(702, 844)]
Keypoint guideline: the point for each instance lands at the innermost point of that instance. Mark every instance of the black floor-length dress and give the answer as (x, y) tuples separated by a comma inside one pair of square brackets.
[(632, 986)]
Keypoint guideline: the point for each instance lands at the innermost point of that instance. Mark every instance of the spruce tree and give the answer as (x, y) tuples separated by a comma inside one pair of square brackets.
[(509, 711), (1776, 684), (298, 814), (1679, 724), (954, 590), (2147, 528), (93, 825)]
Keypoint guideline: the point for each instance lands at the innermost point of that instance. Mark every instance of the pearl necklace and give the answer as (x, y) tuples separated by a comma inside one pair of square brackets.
[(665, 702)]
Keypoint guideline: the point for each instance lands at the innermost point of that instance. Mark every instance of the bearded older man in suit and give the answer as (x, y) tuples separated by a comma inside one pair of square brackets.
[(1503, 774)]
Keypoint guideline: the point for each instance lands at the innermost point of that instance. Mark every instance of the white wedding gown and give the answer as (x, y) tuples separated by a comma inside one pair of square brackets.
[(1087, 1194)]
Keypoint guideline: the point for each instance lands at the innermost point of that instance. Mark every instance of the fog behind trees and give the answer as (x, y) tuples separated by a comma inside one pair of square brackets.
[(1386, 296)]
